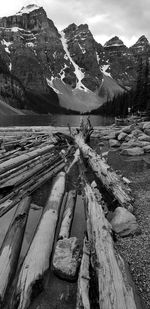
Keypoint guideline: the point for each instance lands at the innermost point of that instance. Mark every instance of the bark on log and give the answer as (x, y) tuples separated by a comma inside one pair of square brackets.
[(10, 250), (112, 182), (115, 290), (83, 301), (36, 262), (68, 215)]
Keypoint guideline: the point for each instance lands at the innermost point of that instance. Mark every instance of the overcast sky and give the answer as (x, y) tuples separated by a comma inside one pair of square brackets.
[(128, 19)]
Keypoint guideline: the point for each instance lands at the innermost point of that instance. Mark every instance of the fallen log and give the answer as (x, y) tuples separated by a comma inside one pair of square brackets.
[(10, 250), (115, 289), (25, 175), (111, 181), (36, 262), (24, 166), (30, 188), (14, 162), (68, 215), (83, 301)]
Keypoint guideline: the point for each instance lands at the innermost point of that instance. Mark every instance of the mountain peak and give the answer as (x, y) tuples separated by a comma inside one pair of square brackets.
[(115, 41), (28, 9), (142, 40)]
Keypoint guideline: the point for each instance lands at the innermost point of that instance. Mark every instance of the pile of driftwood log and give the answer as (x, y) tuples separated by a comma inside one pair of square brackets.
[(30, 158)]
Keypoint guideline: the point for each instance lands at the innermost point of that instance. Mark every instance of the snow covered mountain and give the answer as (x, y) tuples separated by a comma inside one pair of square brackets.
[(47, 71)]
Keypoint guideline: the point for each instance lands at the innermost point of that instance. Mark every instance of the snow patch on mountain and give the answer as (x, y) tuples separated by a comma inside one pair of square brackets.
[(78, 72), (97, 57), (10, 66), (30, 44), (83, 50), (62, 72), (7, 44), (51, 84), (28, 9), (104, 69)]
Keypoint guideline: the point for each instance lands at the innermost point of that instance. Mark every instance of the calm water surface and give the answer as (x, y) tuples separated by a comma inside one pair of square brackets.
[(53, 120)]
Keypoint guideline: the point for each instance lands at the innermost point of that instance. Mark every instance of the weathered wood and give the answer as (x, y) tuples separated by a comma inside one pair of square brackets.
[(68, 215), (112, 182), (30, 187), (10, 250), (83, 301), (25, 175), (115, 290), (14, 162), (36, 262)]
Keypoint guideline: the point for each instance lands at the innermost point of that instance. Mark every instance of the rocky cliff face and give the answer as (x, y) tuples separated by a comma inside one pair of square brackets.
[(51, 71)]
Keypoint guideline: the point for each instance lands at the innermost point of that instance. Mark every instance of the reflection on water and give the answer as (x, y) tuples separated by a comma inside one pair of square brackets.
[(53, 120)]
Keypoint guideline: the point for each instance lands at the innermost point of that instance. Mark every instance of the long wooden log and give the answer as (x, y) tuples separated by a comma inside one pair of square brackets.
[(36, 262), (24, 176), (68, 215), (83, 301), (115, 290), (10, 250), (11, 163), (30, 188), (112, 182), (24, 166)]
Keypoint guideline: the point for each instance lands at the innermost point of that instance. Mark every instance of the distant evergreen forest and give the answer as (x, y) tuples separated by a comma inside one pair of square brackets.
[(135, 100)]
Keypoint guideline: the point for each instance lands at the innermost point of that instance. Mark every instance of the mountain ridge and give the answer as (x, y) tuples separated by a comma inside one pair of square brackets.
[(69, 67)]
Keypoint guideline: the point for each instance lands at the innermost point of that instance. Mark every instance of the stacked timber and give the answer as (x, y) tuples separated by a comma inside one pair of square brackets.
[(25, 170)]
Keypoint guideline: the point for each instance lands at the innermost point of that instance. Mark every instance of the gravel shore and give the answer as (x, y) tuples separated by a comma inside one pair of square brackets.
[(136, 249)]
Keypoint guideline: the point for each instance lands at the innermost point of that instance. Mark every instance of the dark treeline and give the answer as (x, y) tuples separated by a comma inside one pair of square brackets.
[(134, 100)]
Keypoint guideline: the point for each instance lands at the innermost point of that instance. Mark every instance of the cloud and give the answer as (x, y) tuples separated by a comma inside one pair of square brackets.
[(128, 19)]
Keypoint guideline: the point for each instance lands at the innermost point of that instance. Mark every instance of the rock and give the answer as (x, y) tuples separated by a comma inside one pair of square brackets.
[(123, 222), (131, 143), (66, 260), (114, 143), (147, 131), (122, 136), (144, 137), (127, 129), (146, 125), (135, 151), (146, 148), (112, 135), (136, 132), (127, 138)]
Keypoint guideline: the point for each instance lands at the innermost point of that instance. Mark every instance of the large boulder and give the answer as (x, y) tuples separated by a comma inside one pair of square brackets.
[(123, 222), (146, 125), (147, 131), (66, 260), (114, 143), (122, 136), (144, 137), (146, 148), (135, 151), (128, 129), (136, 132)]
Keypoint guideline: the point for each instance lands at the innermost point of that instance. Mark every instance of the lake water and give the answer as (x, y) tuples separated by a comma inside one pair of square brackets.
[(53, 120)]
